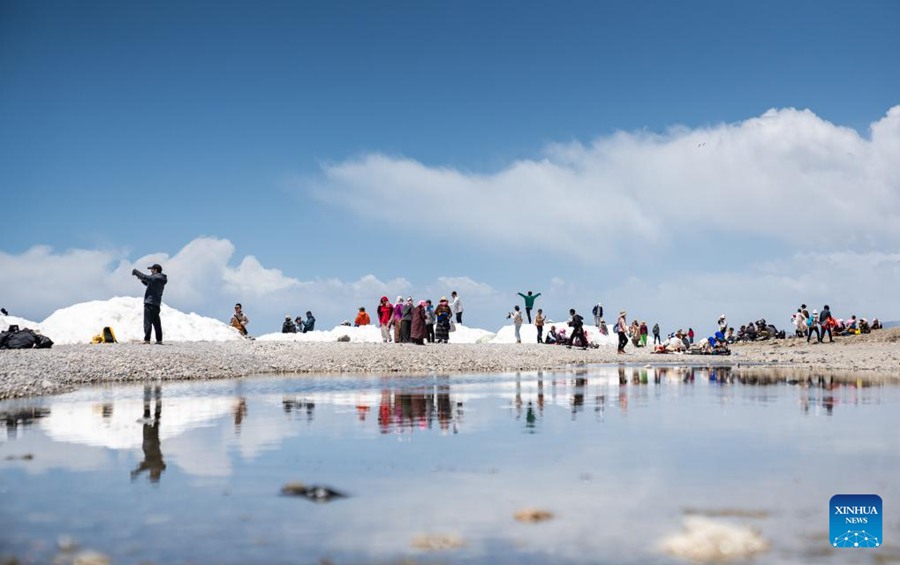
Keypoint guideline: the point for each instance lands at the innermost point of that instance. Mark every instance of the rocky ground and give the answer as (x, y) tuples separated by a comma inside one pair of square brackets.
[(67, 367)]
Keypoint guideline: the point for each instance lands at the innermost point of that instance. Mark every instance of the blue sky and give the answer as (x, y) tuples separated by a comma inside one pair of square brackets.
[(661, 157)]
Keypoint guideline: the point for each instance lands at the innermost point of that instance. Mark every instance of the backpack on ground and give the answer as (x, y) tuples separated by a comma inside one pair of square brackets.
[(25, 338), (106, 335)]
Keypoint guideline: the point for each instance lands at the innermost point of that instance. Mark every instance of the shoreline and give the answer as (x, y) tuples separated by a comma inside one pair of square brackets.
[(64, 368)]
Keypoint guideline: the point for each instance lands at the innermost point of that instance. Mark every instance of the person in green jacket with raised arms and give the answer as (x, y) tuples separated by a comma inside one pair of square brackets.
[(529, 302)]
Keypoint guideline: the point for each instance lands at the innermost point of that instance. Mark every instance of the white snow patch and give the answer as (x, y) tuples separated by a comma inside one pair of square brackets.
[(125, 315)]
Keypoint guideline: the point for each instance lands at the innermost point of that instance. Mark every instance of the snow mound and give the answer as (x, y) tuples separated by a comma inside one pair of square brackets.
[(371, 334), (364, 334), (6, 321), (507, 334), (125, 315)]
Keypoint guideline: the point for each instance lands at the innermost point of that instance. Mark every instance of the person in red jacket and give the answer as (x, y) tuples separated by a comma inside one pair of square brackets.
[(385, 312)]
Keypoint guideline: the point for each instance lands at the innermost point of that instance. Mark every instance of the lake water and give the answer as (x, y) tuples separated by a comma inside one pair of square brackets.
[(435, 468)]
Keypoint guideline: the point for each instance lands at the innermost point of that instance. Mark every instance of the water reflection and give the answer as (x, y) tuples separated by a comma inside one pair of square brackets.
[(153, 457), (444, 455), (408, 410)]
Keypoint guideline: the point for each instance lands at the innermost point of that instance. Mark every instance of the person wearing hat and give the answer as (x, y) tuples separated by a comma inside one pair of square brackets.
[(288, 327), (155, 282), (398, 316), (417, 332), (622, 330), (812, 325), (385, 313), (442, 316)]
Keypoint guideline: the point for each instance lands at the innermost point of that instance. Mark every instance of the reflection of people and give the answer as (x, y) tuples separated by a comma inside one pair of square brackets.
[(153, 458), (154, 282), (240, 412), (239, 320)]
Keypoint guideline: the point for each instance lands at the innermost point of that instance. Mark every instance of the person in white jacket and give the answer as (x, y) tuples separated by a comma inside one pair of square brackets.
[(456, 306)]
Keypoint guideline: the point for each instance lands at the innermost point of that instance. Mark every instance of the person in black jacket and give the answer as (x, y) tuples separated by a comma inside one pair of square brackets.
[(577, 325), (155, 282), (288, 327)]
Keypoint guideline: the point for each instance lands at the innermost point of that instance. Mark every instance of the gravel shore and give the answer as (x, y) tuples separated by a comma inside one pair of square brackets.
[(67, 367)]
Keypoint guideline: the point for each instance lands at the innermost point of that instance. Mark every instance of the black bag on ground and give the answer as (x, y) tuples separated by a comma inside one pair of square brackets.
[(24, 339)]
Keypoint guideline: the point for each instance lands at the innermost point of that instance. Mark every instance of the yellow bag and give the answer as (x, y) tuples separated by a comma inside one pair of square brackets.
[(107, 335)]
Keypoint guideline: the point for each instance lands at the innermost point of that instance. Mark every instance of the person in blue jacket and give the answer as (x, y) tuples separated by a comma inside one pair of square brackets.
[(310, 323)]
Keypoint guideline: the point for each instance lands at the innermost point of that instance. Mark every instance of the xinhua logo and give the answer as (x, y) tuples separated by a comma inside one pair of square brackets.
[(855, 520)]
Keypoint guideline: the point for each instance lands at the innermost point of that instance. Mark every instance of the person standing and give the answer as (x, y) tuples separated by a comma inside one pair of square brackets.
[(826, 320), (385, 313), (597, 311), (656, 339), (406, 318), (155, 283), (812, 325), (691, 334), (643, 334), (398, 315), (577, 324), (417, 327), (516, 317), (239, 320), (539, 324), (442, 314), (430, 319), (456, 306), (622, 330), (529, 302)]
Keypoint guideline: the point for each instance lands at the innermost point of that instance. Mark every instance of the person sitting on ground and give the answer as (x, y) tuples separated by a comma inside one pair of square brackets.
[(675, 343), (634, 331), (729, 336), (362, 319), (851, 327), (239, 320), (552, 336), (288, 327), (864, 326), (750, 332), (876, 324), (310, 323)]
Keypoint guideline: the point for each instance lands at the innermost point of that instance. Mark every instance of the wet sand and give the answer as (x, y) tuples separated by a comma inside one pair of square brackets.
[(64, 368)]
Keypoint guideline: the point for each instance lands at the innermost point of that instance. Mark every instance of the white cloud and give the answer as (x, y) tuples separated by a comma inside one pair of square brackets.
[(786, 176), (201, 279)]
